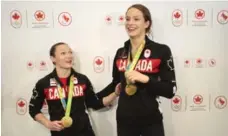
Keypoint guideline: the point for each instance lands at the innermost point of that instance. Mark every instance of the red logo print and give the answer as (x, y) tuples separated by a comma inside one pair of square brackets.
[(98, 64), (39, 15), (198, 99), (65, 19), (199, 14)]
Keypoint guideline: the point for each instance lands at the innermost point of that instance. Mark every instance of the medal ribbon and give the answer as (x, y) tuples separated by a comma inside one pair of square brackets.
[(130, 66), (67, 107)]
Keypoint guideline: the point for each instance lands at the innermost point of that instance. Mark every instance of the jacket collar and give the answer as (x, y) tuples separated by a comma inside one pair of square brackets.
[(54, 75), (128, 43)]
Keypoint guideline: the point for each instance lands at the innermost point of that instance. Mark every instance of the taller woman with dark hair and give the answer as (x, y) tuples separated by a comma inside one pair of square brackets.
[(146, 71)]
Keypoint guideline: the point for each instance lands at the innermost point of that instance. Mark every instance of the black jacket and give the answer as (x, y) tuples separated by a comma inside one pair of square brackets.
[(83, 97), (156, 61)]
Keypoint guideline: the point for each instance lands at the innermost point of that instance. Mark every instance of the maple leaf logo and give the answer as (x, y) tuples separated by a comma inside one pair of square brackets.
[(66, 18), (176, 100), (108, 19), (199, 14), (15, 16), (177, 15), (39, 15), (121, 18), (21, 104), (198, 99), (98, 61), (42, 63), (199, 61), (186, 61)]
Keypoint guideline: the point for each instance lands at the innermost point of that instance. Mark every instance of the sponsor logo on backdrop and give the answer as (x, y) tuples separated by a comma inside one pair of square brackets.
[(198, 99), (176, 103), (187, 63), (199, 63), (198, 102), (200, 18), (41, 19), (222, 17), (212, 62), (220, 102), (65, 18), (121, 20), (21, 106), (98, 64), (177, 18), (108, 20), (30, 65), (16, 19), (199, 14), (43, 65)]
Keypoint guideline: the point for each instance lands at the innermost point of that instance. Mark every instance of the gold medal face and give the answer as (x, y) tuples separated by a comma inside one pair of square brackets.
[(130, 89), (67, 121)]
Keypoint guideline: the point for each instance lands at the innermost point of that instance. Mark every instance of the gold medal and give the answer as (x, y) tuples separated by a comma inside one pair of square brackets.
[(67, 121), (130, 89)]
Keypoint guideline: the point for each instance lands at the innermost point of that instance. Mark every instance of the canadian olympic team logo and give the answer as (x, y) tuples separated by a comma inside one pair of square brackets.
[(98, 64), (176, 103), (21, 106), (16, 19), (177, 18)]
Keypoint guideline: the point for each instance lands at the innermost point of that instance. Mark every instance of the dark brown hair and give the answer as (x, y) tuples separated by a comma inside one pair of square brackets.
[(53, 48), (146, 14)]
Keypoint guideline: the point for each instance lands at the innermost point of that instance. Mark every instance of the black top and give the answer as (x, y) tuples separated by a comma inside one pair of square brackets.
[(83, 97), (143, 107)]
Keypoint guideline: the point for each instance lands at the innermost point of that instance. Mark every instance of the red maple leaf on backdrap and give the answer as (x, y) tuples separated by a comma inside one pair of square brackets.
[(121, 18), (176, 100), (198, 99), (221, 101), (15, 16), (224, 16), (21, 104), (98, 62), (65, 18), (199, 61), (177, 15), (199, 14), (42, 63), (39, 15), (29, 64), (186, 61), (108, 19)]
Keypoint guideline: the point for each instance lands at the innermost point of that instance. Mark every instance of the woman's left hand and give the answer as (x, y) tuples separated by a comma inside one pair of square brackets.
[(135, 76)]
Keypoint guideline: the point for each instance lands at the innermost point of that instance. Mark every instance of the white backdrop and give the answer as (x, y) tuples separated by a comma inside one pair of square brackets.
[(195, 32)]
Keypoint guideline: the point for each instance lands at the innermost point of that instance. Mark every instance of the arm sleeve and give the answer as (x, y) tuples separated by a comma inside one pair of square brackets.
[(166, 85), (91, 99), (115, 80), (36, 101)]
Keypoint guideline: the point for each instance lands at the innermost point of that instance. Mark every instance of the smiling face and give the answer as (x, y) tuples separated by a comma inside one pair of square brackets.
[(135, 23), (62, 57)]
